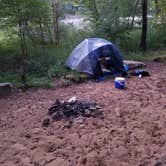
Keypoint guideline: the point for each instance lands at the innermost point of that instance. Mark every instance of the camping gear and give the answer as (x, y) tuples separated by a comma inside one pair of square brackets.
[(119, 82), (85, 57), (126, 67), (140, 73)]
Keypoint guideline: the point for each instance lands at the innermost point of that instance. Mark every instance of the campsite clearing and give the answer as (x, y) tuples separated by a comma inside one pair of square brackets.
[(133, 131)]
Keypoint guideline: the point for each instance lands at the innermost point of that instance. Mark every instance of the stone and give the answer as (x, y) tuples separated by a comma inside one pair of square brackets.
[(87, 113), (46, 122), (159, 163), (160, 59)]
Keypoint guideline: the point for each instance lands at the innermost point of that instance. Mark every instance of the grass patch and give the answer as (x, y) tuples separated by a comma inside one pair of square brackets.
[(32, 81), (147, 56), (42, 82), (12, 78)]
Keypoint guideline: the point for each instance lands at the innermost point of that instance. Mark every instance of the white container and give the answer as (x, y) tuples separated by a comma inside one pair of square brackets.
[(119, 82)]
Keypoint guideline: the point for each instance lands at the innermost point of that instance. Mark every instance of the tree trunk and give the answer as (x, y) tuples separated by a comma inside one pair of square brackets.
[(30, 33), (49, 31), (134, 13), (21, 25), (55, 13), (94, 10), (156, 6), (143, 44), (23, 52), (42, 33)]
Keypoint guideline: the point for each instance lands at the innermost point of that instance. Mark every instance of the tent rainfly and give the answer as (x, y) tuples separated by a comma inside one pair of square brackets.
[(86, 56)]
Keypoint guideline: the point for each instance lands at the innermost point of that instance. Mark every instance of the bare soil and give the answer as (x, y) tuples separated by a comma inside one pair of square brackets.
[(132, 133)]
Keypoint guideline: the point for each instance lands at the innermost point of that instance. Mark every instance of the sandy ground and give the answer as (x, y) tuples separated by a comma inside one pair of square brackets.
[(132, 133)]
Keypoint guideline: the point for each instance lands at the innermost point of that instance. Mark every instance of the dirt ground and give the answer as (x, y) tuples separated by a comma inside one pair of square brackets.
[(132, 133)]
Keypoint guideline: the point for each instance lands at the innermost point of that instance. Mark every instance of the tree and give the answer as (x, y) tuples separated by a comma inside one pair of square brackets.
[(109, 18), (21, 15), (143, 44), (161, 11), (56, 13), (134, 12)]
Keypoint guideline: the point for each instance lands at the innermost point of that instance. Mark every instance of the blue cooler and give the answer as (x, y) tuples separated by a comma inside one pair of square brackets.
[(119, 82)]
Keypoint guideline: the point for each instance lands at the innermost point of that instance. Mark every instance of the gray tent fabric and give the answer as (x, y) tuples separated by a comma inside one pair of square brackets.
[(86, 54)]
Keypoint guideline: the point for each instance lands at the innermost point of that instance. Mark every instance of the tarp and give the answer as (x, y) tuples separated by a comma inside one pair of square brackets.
[(86, 54)]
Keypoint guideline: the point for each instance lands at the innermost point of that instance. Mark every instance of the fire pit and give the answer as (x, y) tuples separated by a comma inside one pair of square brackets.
[(72, 109)]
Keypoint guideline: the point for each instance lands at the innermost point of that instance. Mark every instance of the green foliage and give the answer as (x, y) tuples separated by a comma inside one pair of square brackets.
[(156, 37), (108, 18), (45, 58), (161, 12), (10, 77), (129, 40), (47, 61), (43, 82), (146, 56), (57, 71), (32, 80)]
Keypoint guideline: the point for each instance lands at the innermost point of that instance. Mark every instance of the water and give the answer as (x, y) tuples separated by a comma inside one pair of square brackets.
[(75, 21)]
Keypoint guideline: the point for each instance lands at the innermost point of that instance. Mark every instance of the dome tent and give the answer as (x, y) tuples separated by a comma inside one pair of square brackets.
[(85, 57)]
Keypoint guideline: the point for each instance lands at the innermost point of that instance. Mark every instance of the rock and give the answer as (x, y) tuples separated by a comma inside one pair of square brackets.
[(79, 120), (72, 99), (54, 107), (5, 89), (73, 110), (98, 107), (159, 163), (70, 77), (87, 113), (160, 59), (46, 122), (84, 77), (92, 108), (57, 116), (69, 125)]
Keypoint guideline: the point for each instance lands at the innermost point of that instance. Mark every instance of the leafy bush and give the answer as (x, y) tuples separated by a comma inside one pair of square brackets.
[(43, 82), (147, 56), (10, 77), (57, 71), (129, 40), (156, 37)]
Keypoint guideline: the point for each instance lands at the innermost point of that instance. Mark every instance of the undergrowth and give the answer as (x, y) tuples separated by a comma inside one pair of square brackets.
[(46, 62)]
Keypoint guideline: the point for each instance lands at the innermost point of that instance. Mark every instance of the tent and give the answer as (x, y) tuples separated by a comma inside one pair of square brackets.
[(87, 55)]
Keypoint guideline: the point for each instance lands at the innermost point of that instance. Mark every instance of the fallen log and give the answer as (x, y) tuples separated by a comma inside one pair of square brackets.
[(134, 64), (5, 89)]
